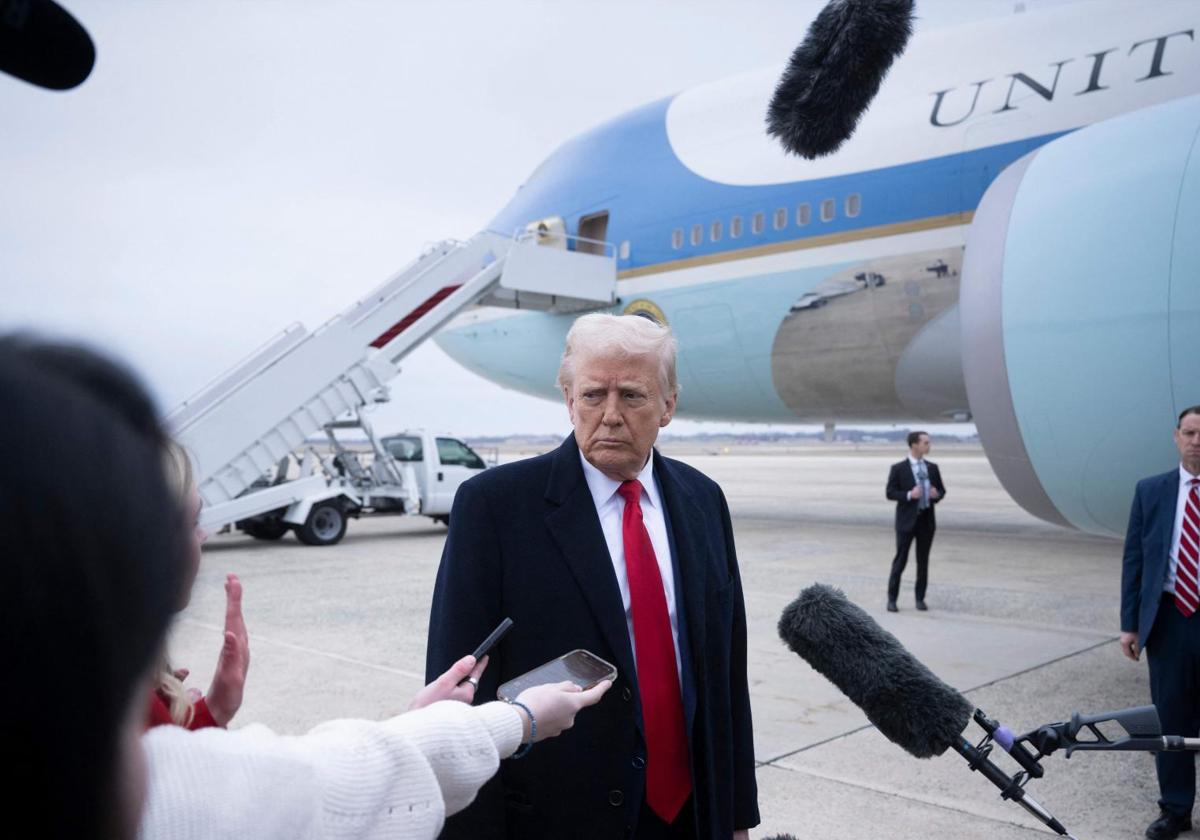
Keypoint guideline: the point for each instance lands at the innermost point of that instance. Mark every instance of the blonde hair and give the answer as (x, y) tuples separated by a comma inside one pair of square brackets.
[(624, 336), (171, 689), (177, 466)]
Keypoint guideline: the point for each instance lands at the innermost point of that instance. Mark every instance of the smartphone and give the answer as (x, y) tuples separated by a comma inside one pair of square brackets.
[(493, 637), (580, 667)]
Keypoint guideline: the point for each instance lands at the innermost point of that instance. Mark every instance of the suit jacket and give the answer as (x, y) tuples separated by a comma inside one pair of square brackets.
[(1147, 552), (900, 482), (525, 541)]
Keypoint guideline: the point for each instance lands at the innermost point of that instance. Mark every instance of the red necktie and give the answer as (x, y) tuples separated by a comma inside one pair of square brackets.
[(668, 772), (1187, 594)]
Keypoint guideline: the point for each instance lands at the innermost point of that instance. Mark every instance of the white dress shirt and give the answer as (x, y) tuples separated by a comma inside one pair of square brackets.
[(916, 471), (1180, 505), (610, 507)]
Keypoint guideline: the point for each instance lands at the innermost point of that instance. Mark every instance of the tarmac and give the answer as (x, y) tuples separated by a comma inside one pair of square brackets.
[(1023, 620)]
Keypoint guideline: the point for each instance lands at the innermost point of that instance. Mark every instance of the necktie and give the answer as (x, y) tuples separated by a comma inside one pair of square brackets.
[(1187, 594), (668, 772), (923, 478)]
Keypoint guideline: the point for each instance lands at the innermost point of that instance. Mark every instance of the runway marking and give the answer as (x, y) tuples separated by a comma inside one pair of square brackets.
[(911, 797), (770, 762), (350, 660)]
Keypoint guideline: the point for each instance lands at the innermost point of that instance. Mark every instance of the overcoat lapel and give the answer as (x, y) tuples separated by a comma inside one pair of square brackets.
[(575, 528), (689, 530)]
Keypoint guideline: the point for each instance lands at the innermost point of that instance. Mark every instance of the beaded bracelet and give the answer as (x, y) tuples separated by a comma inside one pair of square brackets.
[(532, 730)]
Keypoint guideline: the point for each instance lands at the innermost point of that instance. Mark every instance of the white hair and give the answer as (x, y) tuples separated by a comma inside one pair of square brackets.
[(623, 336)]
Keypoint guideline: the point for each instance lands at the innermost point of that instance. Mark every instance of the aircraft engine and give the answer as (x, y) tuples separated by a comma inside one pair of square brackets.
[(1080, 313)]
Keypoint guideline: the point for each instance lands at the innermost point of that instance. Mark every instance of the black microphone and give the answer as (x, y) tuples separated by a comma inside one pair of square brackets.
[(907, 703), (42, 44), (835, 73)]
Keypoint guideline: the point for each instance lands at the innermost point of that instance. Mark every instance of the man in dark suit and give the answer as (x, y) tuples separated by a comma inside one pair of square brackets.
[(1159, 599), (603, 544), (915, 485)]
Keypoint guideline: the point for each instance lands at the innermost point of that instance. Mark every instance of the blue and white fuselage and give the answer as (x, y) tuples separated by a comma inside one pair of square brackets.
[(828, 290)]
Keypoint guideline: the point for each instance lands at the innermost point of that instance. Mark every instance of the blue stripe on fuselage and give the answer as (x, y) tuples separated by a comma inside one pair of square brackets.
[(627, 166)]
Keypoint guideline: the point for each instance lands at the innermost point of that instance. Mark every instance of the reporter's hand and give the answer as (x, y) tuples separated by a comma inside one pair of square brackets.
[(447, 686), (1129, 646), (914, 493), (229, 681), (555, 706)]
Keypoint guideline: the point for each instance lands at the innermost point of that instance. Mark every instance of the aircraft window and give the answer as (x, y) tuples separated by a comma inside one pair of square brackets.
[(853, 205), (404, 448), (804, 214), (453, 452), (677, 238), (757, 223), (780, 220), (697, 234), (624, 251), (828, 209), (735, 227), (714, 231)]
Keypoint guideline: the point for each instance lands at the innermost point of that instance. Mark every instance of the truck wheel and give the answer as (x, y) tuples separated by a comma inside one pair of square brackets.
[(326, 525), (442, 518), (265, 529)]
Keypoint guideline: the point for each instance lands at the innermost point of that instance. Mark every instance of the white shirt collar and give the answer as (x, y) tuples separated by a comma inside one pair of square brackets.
[(1185, 476), (914, 461), (604, 489)]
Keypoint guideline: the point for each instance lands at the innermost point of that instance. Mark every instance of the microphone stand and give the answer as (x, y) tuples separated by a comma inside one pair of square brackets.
[(1143, 733), (1011, 787)]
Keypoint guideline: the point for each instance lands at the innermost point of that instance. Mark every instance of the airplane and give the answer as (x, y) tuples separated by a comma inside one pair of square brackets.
[(1027, 189)]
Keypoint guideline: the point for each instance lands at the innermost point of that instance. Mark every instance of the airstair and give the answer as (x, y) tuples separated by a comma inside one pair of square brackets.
[(239, 427)]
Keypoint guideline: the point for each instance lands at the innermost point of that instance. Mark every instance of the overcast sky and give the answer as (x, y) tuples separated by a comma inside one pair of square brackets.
[(232, 167)]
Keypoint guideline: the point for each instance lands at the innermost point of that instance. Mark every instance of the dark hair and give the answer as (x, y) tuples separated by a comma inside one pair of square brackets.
[(1194, 409), (92, 569), (913, 437)]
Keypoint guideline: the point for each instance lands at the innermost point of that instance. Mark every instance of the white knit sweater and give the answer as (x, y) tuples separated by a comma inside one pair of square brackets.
[(398, 778)]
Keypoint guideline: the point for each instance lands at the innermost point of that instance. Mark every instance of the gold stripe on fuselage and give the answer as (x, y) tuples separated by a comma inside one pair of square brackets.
[(877, 232)]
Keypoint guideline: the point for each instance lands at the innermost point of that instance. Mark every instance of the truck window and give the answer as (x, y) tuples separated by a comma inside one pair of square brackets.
[(404, 448), (453, 452)]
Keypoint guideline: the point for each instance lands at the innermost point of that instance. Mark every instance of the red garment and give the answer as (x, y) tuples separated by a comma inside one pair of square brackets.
[(159, 713), (668, 767)]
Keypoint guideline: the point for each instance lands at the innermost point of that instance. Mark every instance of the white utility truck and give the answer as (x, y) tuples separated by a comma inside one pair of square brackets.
[(414, 472), (248, 432)]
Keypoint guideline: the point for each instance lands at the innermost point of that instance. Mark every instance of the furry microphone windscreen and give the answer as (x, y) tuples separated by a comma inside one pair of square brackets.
[(836, 72), (903, 698), (41, 43)]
